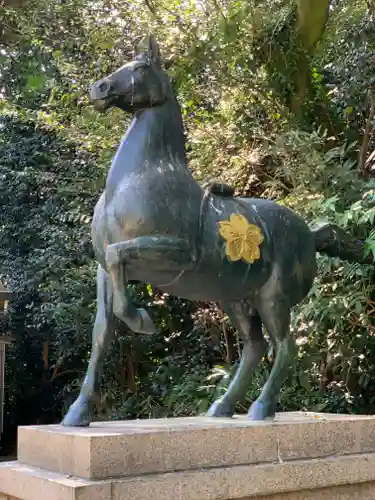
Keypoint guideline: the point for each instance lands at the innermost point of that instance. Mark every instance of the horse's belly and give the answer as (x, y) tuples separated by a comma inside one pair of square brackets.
[(229, 282)]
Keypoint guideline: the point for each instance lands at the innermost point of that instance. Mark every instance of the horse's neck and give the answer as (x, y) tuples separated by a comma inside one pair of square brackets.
[(155, 135)]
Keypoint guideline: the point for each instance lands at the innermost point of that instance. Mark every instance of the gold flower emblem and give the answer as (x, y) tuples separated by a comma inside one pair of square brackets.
[(242, 239)]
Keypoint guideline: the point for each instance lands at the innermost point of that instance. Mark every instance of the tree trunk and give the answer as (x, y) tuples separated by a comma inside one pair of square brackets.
[(312, 17)]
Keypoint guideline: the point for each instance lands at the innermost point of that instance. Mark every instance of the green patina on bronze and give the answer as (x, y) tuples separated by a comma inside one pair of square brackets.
[(155, 224)]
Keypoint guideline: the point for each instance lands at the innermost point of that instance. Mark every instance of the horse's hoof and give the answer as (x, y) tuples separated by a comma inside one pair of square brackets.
[(221, 408), (78, 414), (147, 327), (141, 322), (261, 411)]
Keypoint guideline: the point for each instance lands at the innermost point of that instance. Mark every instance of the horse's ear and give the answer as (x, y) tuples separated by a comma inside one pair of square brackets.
[(149, 47), (154, 51)]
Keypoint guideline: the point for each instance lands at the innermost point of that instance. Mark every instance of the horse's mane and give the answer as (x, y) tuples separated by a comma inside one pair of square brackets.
[(219, 188)]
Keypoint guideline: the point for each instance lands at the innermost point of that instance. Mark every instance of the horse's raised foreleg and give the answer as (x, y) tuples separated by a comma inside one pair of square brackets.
[(160, 254), (165, 252), (79, 413), (275, 316), (250, 328), (136, 318)]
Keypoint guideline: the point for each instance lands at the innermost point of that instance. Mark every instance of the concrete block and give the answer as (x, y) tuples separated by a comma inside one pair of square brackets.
[(117, 449), (319, 479)]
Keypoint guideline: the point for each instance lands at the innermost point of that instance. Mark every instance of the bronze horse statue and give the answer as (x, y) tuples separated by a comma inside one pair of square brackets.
[(155, 224)]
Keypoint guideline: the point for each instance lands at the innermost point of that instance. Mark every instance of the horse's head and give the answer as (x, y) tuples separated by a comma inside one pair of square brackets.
[(139, 84)]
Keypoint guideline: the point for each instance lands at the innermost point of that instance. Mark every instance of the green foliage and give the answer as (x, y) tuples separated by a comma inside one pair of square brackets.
[(333, 326), (347, 62), (234, 68)]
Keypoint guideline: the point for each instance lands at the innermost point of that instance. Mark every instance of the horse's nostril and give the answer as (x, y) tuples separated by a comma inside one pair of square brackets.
[(104, 87)]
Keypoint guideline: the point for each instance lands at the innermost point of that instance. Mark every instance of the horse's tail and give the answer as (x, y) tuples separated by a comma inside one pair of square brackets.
[(335, 242)]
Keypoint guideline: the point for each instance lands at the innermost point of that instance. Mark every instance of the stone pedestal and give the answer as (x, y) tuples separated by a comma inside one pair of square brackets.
[(299, 456)]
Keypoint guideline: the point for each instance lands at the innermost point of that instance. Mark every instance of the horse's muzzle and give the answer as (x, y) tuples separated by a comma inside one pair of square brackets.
[(102, 104), (101, 95)]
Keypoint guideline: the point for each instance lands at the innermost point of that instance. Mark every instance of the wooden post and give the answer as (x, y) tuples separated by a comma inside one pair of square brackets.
[(4, 341), (5, 296)]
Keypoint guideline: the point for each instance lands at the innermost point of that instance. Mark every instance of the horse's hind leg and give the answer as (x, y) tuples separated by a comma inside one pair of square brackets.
[(275, 316), (79, 413), (250, 328)]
